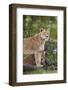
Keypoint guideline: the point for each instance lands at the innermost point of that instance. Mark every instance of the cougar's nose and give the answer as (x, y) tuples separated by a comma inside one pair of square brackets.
[(47, 36)]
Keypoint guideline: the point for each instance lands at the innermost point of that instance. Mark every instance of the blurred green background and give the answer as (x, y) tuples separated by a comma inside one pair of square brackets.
[(31, 26)]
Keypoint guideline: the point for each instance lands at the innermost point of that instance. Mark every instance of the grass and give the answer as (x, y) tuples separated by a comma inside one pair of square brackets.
[(40, 71)]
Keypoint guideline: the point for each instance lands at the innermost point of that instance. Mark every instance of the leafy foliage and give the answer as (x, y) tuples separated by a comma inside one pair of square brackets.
[(52, 54)]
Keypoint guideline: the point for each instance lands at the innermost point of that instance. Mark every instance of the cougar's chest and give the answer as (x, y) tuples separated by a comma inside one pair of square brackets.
[(41, 48)]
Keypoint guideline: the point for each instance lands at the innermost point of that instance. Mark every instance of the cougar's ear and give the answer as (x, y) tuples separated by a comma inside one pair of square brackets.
[(47, 29), (41, 29)]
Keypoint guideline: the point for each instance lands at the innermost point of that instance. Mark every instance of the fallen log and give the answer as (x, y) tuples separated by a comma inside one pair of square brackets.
[(28, 67)]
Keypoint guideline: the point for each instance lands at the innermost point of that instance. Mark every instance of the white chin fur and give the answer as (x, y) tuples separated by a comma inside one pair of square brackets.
[(46, 39)]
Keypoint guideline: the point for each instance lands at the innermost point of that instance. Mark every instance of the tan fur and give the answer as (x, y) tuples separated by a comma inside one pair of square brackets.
[(32, 43), (35, 44)]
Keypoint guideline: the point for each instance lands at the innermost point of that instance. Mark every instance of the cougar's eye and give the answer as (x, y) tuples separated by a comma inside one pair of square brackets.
[(44, 34)]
